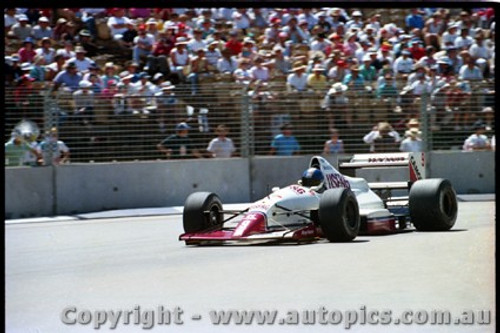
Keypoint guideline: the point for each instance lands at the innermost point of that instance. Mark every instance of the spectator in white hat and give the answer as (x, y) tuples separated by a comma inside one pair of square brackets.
[(412, 142), (297, 81), (366, 69), (81, 61), (84, 102), (179, 57), (152, 28), (213, 54), (22, 29), (450, 35), (281, 64), (42, 29), (355, 21), (317, 79)]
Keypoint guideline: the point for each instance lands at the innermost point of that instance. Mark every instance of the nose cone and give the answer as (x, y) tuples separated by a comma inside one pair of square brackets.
[(252, 223)]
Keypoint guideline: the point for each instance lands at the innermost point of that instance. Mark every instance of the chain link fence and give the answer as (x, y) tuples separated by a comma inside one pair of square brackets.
[(118, 126)]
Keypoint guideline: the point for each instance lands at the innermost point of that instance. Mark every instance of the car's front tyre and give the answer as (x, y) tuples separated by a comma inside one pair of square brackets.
[(433, 205), (202, 211), (339, 215)]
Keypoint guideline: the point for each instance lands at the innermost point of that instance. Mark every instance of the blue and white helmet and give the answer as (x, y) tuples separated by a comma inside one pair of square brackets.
[(312, 177)]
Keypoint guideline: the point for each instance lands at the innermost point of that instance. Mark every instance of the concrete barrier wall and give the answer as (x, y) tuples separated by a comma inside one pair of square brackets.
[(28, 192), (81, 188), (87, 188), (469, 172)]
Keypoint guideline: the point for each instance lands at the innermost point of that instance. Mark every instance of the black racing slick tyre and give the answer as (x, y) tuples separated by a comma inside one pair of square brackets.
[(339, 215), (202, 211), (433, 205)]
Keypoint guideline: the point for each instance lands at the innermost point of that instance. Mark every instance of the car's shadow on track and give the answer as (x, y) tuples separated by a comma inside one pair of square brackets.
[(410, 231), (279, 244)]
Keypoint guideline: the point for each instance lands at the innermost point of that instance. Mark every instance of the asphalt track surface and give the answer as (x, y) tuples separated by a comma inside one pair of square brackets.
[(120, 263)]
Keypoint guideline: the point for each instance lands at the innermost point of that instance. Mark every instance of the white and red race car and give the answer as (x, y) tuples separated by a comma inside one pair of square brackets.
[(338, 209)]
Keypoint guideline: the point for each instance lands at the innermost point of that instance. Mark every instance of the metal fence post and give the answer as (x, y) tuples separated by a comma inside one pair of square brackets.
[(50, 114), (426, 131), (425, 127), (247, 136), (246, 128)]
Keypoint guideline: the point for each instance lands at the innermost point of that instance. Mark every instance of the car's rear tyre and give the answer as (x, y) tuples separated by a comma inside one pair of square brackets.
[(433, 205), (339, 215), (202, 211)]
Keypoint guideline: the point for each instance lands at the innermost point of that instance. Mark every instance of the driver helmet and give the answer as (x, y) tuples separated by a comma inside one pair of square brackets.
[(312, 177)]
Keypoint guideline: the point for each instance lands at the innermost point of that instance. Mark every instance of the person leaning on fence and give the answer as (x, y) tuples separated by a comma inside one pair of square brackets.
[(334, 145), (51, 145), (478, 140), (412, 141), (221, 146), (179, 145), (382, 138), (285, 144), (16, 148)]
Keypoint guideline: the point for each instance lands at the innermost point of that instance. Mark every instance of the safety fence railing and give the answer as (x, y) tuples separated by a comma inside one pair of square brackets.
[(128, 125)]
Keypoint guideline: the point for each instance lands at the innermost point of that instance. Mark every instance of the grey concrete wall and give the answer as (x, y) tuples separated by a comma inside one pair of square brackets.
[(81, 188), (96, 187), (469, 172), (28, 192)]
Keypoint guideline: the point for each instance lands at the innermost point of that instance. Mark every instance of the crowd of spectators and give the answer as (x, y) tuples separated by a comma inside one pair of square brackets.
[(333, 54)]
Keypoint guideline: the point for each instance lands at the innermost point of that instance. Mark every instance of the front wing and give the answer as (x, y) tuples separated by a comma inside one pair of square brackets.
[(303, 234)]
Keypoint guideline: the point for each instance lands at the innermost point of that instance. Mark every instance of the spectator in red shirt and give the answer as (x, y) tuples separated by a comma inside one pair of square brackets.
[(417, 50), (27, 53), (182, 31), (233, 43)]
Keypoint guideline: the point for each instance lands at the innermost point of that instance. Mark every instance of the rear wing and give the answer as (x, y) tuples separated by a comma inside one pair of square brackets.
[(414, 163)]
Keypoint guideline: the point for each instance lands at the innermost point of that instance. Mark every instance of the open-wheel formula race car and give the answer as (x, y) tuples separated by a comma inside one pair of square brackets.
[(327, 204)]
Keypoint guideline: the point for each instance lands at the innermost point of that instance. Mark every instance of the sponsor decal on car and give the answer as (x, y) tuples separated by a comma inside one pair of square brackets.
[(335, 180)]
